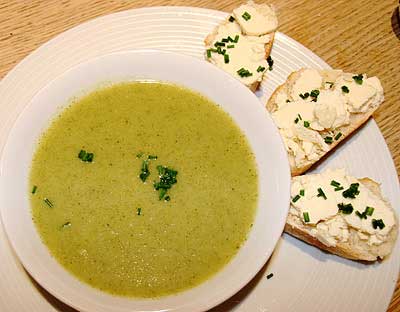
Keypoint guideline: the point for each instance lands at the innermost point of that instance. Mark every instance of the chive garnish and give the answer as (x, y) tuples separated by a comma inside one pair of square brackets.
[(369, 211), (260, 69), (352, 191), (230, 39), (378, 224), (144, 170), (224, 40), (34, 189), (296, 198), (337, 136), (328, 140), (208, 53), (306, 124), (48, 202), (335, 183), (246, 16), (219, 44), (244, 73), (226, 58), (306, 217), (270, 62), (314, 94), (85, 156), (345, 89), (230, 46), (152, 157), (321, 193), (167, 198), (358, 79), (270, 275), (346, 209), (139, 211), (330, 84), (236, 39), (302, 192), (167, 179), (296, 120), (339, 188), (304, 96), (361, 215), (231, 19), (298, 115)]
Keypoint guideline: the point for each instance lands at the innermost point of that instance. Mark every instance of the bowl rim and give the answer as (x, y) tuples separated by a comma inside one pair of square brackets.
[(285, 187)]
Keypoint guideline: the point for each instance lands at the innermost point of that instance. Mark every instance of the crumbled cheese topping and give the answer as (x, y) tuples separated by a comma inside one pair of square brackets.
[(318, 97), (262, 18), (328, 224), (248, 53)]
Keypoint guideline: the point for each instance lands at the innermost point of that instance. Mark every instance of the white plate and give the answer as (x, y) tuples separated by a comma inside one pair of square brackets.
[(231, 96), (305, 279)]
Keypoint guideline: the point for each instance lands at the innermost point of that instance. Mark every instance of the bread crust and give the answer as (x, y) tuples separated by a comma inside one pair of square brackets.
[(267, 47), (356, 121), (354, 248)]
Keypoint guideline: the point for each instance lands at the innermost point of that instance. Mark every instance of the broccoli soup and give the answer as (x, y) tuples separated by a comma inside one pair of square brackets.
[(143, 189)]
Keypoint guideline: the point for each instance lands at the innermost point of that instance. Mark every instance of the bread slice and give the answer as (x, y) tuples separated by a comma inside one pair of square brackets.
[(208, 41), (356, 119), (354, 248)]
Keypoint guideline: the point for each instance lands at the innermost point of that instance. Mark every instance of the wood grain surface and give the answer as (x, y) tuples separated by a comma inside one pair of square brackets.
[(356, 36)]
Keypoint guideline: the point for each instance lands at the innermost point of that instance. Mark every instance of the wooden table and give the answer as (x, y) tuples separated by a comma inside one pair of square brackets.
[(358, 36)]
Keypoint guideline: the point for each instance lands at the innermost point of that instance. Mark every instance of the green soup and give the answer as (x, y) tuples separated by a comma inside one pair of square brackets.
[(108, 227)]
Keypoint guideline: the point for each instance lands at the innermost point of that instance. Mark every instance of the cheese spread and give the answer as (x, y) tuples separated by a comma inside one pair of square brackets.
[(317, 200)]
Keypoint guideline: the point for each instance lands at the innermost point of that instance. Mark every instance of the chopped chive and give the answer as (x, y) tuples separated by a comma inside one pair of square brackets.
[(89, 157), (314, 94), (270, 275), (34, 189), (330, 84), (335, 183), (369, 211), (299, 116), (152, 157), (85, 156), (219, 44), (244, 73), (358, 79), (378, 224), (139, 211), (337, 136), (302, 192), (225, 40), (339, 188), (328, 140), (270, 62), (321, 193), (296, 120), (346, 209), (236, 39), (296, 198), (306, 217), (167, 198), (167, 179), (230, 39), (82, 154), (231, 19), (260, 69), (361, 215), (48, 202), (144, 170), (345, 89), (222, 51), (230, 46), (352, 191), (304, 96), (306, 124), (226, 58), (208, 53), (246, 16)]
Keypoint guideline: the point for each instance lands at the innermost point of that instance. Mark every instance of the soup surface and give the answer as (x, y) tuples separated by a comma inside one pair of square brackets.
[(95, 189)]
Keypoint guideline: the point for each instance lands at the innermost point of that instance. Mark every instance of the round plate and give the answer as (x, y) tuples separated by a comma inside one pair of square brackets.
[(304, 277)]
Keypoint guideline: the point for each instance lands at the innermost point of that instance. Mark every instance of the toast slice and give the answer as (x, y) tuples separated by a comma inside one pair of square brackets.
[(354, 247), (330, 80), (251, 52)]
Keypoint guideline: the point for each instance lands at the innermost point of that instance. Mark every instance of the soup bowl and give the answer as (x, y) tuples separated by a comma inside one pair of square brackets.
[(146, 65)]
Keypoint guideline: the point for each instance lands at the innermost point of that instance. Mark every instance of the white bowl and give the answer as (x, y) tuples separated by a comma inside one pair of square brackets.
[(232, 96)]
